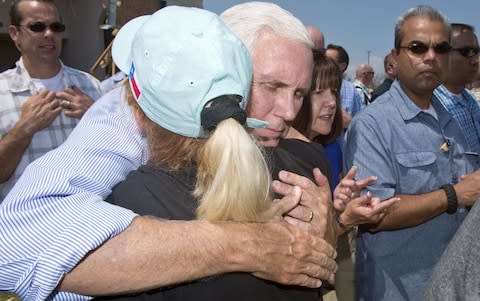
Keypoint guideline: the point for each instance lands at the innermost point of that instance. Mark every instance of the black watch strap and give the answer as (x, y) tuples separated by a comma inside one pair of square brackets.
[(452, 202)]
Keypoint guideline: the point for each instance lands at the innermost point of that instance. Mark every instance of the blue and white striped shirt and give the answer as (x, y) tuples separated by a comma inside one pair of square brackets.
[(55, 214), (351, 99), (352, 103), (466, 112)]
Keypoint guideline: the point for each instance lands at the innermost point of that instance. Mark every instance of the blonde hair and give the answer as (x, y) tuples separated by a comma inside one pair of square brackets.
[(233, 181), (233, 178)]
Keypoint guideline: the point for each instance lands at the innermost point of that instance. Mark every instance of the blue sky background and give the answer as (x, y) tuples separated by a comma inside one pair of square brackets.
[(362, 25)]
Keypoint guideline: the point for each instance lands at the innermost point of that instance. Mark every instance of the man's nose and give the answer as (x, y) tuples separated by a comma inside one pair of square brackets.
[(288, 109)]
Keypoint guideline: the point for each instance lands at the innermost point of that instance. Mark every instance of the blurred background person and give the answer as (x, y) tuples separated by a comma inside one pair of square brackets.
[(42, 99), (475, 86), (352, 101), (390, 74), (462, 69), (363, 80), (317, 37)]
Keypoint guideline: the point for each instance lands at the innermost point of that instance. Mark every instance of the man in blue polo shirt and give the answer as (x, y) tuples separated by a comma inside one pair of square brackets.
[(418, 152)]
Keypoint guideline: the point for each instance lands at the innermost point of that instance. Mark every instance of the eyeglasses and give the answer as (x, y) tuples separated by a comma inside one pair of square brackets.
[(468, 51), (418, 47), (41, 27), (369, 73)]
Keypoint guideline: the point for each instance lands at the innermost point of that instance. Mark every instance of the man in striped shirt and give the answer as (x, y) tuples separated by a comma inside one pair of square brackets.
[(462, 69), (62, 241)]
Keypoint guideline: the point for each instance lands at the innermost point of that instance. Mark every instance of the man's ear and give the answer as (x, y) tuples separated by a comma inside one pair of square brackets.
[(13, 33), (391, 69), (394, 55), (343, 67)]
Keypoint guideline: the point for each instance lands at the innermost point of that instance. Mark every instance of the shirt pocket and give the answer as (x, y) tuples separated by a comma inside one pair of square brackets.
[(474, 160), (416, 171)]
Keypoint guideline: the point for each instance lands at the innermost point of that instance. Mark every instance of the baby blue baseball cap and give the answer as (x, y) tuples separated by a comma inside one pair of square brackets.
[(177, 60)]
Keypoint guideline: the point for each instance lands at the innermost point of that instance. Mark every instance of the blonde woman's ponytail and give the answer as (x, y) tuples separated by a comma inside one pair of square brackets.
[(233, 181)]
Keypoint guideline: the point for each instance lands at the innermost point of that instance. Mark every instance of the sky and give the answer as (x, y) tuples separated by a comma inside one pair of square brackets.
[(363, 27)]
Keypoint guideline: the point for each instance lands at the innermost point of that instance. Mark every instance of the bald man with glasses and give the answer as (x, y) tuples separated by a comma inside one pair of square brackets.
[(462, 69), (42, 100), (363, 79)]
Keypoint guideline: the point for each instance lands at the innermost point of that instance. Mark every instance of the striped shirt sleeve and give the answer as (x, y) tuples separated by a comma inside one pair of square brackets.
[(56, 212)]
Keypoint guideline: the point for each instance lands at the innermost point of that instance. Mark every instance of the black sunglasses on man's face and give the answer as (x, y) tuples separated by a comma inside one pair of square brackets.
[(41, 27), (418, 47), (467, 51)]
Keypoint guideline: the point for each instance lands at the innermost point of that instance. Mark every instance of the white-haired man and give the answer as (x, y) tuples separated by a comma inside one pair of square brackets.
[(119, 245)]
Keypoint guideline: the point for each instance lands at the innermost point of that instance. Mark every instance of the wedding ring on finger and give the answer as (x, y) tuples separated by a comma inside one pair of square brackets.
[(67, 104)]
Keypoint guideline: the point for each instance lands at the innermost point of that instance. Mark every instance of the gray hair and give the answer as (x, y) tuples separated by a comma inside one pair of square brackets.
[(422, 11), (247, 20)]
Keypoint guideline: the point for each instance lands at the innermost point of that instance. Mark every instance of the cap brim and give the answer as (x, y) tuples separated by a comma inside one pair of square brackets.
[(122, 44)]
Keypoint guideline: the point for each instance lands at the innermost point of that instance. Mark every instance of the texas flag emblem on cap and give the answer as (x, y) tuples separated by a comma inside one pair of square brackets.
[(133, 82)]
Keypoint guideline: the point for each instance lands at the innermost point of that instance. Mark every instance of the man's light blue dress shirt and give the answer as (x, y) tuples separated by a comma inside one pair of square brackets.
[(57, 205)]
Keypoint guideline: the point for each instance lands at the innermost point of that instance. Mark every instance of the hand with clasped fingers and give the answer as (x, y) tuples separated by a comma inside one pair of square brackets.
[(74, 102), (307, 252), (349, 188), (38, 112), (314, 213), (364, 209), (353, 209)]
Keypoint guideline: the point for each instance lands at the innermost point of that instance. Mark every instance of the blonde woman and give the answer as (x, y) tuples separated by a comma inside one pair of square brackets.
[(224, 170)]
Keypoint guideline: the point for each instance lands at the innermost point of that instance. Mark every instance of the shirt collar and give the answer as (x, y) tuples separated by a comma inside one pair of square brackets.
[(21, 80), (407, 108)]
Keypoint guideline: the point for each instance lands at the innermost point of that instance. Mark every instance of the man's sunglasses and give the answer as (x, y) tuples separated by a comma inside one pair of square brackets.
[(467, 51), (418, 47), (41, 27)]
